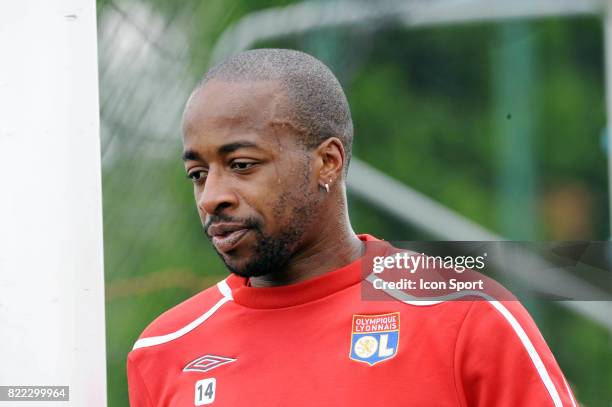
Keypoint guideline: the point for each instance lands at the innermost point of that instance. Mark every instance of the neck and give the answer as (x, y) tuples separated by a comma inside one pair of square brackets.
[(334, 246)]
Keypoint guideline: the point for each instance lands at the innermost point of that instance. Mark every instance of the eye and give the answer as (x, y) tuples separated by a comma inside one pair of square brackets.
[(242, 165), (197, 176)]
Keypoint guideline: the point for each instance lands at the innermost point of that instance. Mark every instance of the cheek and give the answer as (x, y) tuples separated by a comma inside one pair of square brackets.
[(266, 202), (202, 215), (270, 202), (196, 199), (292, 197)]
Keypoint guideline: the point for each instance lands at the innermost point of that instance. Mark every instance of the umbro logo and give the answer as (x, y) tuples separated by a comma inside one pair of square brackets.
[(206, 363)]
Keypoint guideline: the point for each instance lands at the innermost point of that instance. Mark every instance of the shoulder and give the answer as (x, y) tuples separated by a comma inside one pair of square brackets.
[(492, 318), (185, 316), (498, 339)]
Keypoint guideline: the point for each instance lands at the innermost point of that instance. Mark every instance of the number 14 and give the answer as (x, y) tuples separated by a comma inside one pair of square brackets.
[(205, 391)]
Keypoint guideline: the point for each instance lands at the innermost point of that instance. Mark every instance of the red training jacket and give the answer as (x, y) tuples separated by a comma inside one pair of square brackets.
[(318, 343)]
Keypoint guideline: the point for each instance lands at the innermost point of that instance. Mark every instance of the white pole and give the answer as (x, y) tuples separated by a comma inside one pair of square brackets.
[(51, 262), (607, 21)]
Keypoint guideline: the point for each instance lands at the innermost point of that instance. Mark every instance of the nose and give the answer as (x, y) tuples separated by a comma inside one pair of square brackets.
[(216, 195)]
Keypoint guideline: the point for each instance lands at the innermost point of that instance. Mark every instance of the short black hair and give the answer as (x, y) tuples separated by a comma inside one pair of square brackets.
[(318, 103)]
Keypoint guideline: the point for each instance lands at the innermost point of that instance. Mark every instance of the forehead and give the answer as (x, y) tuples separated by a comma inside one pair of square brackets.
[(222, 110)]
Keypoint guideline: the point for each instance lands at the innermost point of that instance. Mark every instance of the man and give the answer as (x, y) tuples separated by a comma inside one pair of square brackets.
[(267, 143)]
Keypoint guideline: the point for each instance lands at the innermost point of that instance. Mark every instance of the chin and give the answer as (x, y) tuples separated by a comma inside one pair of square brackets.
[(243, 267), (267, 256), (247, 271)]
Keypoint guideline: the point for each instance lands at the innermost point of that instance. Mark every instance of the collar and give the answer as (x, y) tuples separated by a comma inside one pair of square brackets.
[(304, 291)]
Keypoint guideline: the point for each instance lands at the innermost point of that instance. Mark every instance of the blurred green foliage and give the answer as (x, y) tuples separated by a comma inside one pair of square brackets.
[(424, 112)]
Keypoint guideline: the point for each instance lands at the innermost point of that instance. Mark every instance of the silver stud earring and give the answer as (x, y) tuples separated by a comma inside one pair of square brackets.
[(327, 188)]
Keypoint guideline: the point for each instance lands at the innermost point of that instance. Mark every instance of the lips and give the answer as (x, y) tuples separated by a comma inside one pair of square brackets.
[(225, 237)]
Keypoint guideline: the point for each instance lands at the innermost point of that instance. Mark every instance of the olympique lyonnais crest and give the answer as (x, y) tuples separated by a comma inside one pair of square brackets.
[(375, 338)]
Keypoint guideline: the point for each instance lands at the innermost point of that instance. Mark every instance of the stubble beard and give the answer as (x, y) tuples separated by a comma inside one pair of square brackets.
[(272, 252)]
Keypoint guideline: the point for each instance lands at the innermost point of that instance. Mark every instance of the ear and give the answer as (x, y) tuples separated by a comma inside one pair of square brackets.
[(330, 159)]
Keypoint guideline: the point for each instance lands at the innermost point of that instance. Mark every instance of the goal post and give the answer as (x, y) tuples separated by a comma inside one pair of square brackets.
[(51, 258)]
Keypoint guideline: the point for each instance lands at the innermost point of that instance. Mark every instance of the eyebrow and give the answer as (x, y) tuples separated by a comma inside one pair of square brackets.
[(224, 149), (231, 147), (190, 155)]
